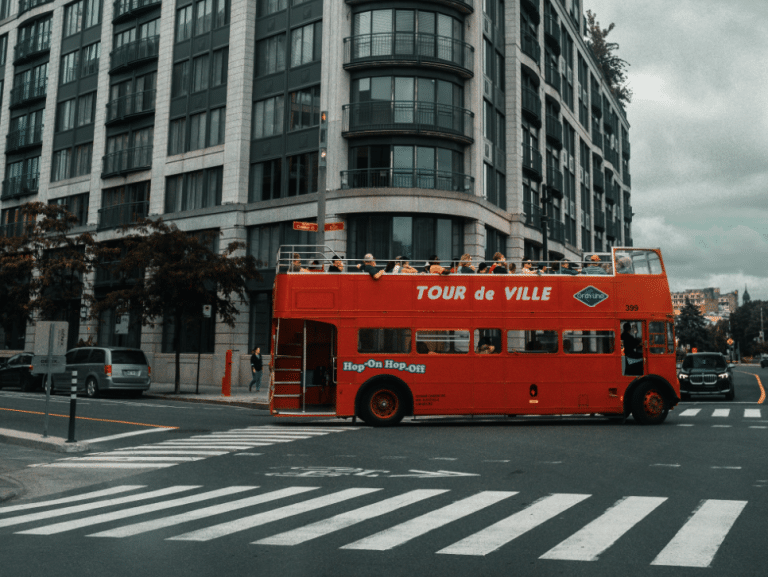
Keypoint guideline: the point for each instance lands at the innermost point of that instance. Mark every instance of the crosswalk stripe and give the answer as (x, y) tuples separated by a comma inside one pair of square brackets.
[(501, 533), (230, 527), (133, 511), (344, 520), (597, 536), (227, 447), (721, 412), (83, 497), (242, 441), (303, 430), (106, 465), (97, 505), (135, 459), (690, 412), (254, 436), (399, 534), (160, 452), (138, 528), (752, 413), (696, 543)]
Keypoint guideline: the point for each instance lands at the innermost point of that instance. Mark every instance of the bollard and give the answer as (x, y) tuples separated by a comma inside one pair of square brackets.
[(226, 381), (72, 408)]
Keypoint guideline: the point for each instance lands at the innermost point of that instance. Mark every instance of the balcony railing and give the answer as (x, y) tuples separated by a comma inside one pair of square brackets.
[(121, 214), (14, 229), (598, 180), (627, 178), (24, 137), (599, 219), (465, 6), (597, 102), (31, 46), (612, 229), (611, 192), (22, 185), (533, 7), (134, 53), (407, 178), (128, 160), (552, 31), (399, 116), (555, 181), (532, 214), (27, 5), (554, 129), (131, 105), (625, 148), (532, 103), (627, 211), (552, 76), (556, 231), (597, 136), (124, 9), (532, 160), (530, 46), (409, 47), (28, 92)]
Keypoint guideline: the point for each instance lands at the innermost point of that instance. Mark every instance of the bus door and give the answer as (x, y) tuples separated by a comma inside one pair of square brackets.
[(490, 386), (533, 371), (304, 366), (634, 348), (661, 346)]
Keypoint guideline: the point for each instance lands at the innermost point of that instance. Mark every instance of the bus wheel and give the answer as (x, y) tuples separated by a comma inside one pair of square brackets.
[(649, 405), (382, 406)]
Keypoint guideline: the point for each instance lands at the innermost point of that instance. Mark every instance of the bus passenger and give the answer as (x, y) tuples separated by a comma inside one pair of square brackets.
[(595, 267), (527, 267), (498, 261), (369, 266), (482, 268), (565, 267), (435, 268), (630, 342), (465, 264), (624, 265), (336, 264), (390, 268), (512, 268), (406, 267), (296, 264), (454, 265)]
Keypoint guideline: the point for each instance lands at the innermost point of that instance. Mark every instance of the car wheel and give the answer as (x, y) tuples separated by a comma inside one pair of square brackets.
[(91, 388), (730, 395), (649, 405), (382, 406), (25, 382)]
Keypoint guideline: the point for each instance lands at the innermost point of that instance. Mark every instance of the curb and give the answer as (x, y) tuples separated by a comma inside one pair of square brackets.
[(244, 404), (35, 441)]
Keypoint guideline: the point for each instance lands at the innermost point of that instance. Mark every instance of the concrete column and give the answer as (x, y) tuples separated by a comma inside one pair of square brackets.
[(474, 240)]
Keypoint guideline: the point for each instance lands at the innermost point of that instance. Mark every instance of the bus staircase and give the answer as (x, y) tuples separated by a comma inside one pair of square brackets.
[(301, 384)]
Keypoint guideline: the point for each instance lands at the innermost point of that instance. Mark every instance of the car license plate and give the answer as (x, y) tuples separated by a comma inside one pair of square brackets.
[(130, 373)]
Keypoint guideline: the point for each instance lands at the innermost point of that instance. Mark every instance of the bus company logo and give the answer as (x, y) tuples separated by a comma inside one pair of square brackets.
[(590, 296), (386, 364)]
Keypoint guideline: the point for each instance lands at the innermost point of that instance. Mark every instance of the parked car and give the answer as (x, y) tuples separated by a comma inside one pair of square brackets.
[(763, 360), (706, 374), (17, 372), (102, 369)]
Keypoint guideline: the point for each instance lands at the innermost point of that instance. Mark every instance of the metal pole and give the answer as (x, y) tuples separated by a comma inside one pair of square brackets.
[(72, 408), (48, 380), (199, 348)]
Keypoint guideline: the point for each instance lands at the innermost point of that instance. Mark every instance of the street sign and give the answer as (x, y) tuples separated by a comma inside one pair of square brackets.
[(694, 350), (44, 339), (309, 226), (730, 342), (121, 326), (331, 226), (207, 311), (41, 366)]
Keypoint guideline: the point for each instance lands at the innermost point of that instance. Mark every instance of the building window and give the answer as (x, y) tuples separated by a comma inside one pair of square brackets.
[(302, 173), (180, 85), (204, 19), (306, 44), (304, 108), (271, 55), (266, 180), (264, 241), (90, 60), (177, 136), (220, 65), (3, 49), (495, 241), (267, 7), (69, 67), (66, 115), (76, 204), (268, 117), (76, 112), (184, 23), (192, 190), (200, 73), (205, 129), (73, 18), (72, 162)]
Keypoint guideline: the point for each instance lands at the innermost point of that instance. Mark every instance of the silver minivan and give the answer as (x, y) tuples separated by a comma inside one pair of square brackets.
[(104, 369)]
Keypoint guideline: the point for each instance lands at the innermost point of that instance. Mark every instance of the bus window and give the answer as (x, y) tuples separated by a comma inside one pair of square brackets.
[(589, 342), (637, 262), (670, 338), (657, 337), (442, 342), (384, 341), (487, 341), (531, 341)]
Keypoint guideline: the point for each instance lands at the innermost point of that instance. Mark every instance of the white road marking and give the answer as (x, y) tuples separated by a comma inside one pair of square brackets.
[(758, 427), (122, 435), (106, 465), (83, 497), (133, 511), (721, 412), (501, 533), (721, 426), (685, 424), (690, 412), (344, 520), (588, 543), (444, 459), (97, 505), (248, 454), (404, 532), (496, 461), (730, 468), (696, 543), (130, 459), (752, 413), (259, 519), (122, 452), (665, 465)]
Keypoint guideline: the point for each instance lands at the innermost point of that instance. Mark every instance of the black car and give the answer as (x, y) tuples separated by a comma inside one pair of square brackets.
[(16, 372), (763, 361), (706, 374)]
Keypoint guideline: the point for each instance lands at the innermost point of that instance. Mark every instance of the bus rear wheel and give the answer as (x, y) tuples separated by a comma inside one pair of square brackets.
[(382, 406), (649, 405)]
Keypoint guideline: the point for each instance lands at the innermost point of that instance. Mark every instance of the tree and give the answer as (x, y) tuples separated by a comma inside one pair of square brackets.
[(690, 327), (612, 67), (182, 272), (745, 325)]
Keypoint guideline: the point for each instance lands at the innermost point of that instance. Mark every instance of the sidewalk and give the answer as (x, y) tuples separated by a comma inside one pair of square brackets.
[(240, 397)]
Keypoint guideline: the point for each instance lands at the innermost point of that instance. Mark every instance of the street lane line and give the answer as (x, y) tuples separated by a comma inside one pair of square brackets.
[(697, 542), (90, 419), (721, 412), (259, 519), (146, 526), (97, 505), (690, 412), (501, 533), (122, 435), (685, 424), (344, 520), (592, 540), (83, 497), (758, 427), (721, 426), (752, 414), (133, 511), (404, 532)]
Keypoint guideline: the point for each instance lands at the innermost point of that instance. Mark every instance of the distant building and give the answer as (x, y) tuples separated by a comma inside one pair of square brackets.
[(709, 300)]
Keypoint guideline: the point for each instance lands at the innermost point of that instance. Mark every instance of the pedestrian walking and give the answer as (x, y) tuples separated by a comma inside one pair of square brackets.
[(256, 367)]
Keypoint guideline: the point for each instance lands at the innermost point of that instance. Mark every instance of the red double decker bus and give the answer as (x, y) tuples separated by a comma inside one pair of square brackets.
[(347, 345)]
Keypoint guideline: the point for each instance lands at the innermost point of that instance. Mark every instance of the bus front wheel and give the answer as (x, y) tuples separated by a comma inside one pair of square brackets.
[(382, 406), (649, 405)]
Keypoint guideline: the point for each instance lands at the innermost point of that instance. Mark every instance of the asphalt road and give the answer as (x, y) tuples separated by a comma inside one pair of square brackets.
[(235, 491)]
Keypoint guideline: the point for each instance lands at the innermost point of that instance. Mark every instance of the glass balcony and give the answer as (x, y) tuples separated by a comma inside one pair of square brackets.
[(532, 215), (627, 212), (532, 103), (532, 6), (409, 48), (130, 106), (530, 46), (134, 53), (125, 9), (612, 229), (597, 136), (407, 178), (24, 138), (555, 181), (128, 160), (408, 117), (465, 6), (556, 231), (598, 180), (532, 161), (27, 5), (597, 102), (625, 148), (552, 76), (32, 46), (22, 185), (554, 129), (627, 178), (552, 31), (28, 92), (122, 214), (599, 219)]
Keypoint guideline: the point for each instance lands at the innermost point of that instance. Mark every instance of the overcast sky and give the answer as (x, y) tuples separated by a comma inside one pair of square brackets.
[(699, 135)]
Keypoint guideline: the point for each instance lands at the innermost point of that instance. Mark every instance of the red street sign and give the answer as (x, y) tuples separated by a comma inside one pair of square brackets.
[(329, 226), (310, 226), (694, 350)]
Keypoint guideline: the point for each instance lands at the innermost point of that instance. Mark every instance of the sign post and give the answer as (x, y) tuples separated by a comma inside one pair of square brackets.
[(50, 348)]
